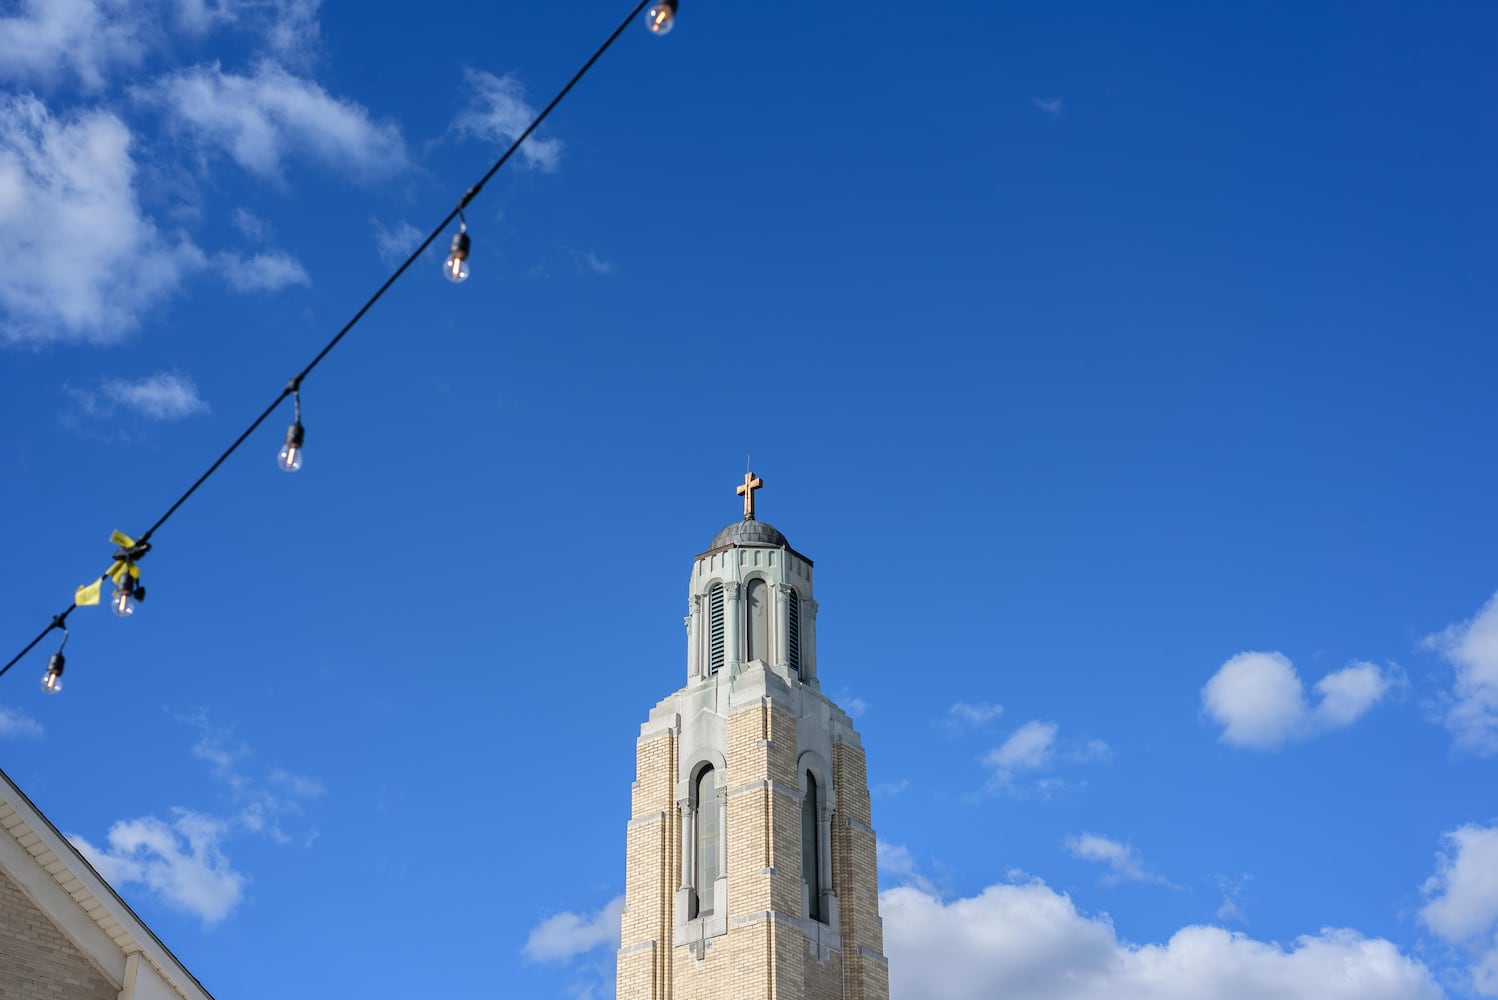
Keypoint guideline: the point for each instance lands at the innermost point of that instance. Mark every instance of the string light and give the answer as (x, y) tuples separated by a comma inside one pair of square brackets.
[(125, 596), (290, 457), (52, 679), (661, 17), (455, 267), (128, 592)]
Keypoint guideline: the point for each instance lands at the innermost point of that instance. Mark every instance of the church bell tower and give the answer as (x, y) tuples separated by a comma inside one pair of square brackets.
[(750, 865)]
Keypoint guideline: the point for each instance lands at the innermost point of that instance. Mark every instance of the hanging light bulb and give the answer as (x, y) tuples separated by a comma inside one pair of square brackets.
[(290, 457), (123, 601), (52, 679), (455, 267), (661, 17)]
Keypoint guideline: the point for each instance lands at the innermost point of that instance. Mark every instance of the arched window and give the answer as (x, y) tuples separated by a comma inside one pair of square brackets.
[(705, 874), (811, 851), (759, 621), (793, 632), (715, 629)]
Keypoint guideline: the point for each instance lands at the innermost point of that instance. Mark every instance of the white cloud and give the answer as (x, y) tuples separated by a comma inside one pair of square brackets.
[(18, 725), (162, 396), (264, 272), (1124, 864), (48, 40), (1231, 907), (263, 119), (289, 27), (896, 865), (855, 707), (1020, 765), (1463, 907), (498, 112), (251, 225), (395, 242), (964, 716), (1028, 748), (261, 806), (81, 260), (1260, 702), (181, 862), (889, 789), (595, 263), (1470, 709), (1050, 105), (1027, 940), (566, 935)]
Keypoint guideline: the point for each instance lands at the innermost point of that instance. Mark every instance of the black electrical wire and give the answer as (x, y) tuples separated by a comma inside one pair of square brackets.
[(59, 621)]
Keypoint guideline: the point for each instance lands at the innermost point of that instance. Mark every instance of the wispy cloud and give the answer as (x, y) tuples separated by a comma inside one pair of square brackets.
[(855, 707), (15, 724), (47, 41), (395, 242), (82, 260), (566, 935), (897, 866), (1123, 861), (1050, 105), (181, 861), (592, 262), (1260, 702), (262, 806), (965, 716), (162, 396), (270, 271), (1231, 907), (1024, 763), (498, 112), (1470, 709), (289, 28), (251, 225), (265, 118), (889, 789)]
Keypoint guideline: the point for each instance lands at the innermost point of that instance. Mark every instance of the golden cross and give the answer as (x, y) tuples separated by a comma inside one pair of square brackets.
[(751, 483)]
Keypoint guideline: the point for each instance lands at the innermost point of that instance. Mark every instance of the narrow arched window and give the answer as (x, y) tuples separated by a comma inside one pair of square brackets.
[(811, 850), (759, 621), (793, 632), (715, 629), (706, 874)]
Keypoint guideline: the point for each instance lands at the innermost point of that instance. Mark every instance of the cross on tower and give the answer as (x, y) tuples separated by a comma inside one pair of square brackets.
[(751, 483)]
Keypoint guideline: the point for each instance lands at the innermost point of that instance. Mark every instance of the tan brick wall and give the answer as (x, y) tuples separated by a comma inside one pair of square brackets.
[(652, 846), (855, 876), (765, 954), (37, 961)]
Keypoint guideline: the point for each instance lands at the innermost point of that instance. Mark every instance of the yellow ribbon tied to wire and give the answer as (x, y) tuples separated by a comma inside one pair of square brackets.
[(122, 567)]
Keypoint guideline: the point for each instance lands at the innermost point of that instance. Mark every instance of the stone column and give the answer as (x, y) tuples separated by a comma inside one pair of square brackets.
[(809, 640), (693, 622), (733, 626), (687, 891)]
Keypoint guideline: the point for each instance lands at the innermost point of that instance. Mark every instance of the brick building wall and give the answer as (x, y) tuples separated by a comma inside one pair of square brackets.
[(37, 962), (765, 950)]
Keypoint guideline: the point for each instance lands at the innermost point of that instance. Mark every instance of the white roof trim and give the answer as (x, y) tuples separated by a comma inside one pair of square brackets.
[(67, 889)]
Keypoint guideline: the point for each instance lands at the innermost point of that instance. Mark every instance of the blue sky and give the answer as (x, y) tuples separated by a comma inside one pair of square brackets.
[(1126, 372)]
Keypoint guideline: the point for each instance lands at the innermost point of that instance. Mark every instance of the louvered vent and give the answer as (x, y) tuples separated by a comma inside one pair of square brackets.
[(715, 629), (793, 634)]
